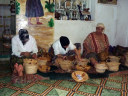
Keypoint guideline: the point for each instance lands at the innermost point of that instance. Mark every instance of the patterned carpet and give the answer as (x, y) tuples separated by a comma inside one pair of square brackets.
[(115, 85)]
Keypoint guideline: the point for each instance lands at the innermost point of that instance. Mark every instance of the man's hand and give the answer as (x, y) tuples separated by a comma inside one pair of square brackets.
[(34, 56), (64, 57), (61, 56), (82, 60), (27, 54)]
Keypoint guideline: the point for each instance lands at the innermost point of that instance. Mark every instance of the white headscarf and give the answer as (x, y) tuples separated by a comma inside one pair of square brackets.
[(100, 25)]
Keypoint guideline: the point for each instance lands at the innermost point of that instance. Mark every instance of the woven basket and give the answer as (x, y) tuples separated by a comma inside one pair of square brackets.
[(80, 76), (81, 68), (101, 67), (103, 55), (30, 69), (42, 61), (113, 66), (83, 63), (114, 58), (100, 70), (43, 54), (64, 64), (30, 66), (30, 61), (44, 68)]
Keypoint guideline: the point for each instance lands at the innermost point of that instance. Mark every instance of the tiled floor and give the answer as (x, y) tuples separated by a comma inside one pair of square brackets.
[(113, 86)]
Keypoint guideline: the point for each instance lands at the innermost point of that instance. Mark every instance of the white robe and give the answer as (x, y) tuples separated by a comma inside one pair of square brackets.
[(59, 50), (18, 47)]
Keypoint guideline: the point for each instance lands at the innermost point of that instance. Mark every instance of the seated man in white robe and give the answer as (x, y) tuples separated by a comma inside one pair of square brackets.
[(23, 45), (61, 47)]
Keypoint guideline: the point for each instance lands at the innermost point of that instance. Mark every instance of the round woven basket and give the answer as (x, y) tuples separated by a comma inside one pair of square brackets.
[(80, 76), (113, 66), (30, 66), (44, 68), (83, 63), (114, 58), (103, 55), (64, 64), (81, 68), (100, 70), (30, 61), (42, 62), (30, 69), (101, 67)]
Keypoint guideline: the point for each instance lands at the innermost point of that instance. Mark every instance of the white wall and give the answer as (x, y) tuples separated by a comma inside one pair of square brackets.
[(105, 13), (122, 23), (76, 31)]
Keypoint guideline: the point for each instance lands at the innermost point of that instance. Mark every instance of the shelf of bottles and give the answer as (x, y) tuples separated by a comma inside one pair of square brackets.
[(7, 12), (71, 10)]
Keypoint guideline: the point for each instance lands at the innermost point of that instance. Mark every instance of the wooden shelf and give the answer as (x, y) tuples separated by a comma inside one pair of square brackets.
[(4, 4)]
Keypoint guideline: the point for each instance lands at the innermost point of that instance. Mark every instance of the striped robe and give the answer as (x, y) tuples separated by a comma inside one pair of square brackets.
[(94, 44)]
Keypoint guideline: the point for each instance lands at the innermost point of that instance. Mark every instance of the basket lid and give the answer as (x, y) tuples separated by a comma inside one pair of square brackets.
[(80, 76)]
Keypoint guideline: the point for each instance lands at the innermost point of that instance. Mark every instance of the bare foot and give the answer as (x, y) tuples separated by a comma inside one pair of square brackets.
[(15, 68), (20, 70), (39, 23)]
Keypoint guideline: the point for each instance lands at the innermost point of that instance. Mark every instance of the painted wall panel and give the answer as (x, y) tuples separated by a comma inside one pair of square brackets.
[(42, 32)]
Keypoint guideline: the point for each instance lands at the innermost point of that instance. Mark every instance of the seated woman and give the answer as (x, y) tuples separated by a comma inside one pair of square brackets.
[(62, 46), (96, 42), (23, 45)]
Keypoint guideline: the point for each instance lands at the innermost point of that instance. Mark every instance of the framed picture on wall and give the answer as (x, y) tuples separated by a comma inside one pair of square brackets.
[(108, 1)]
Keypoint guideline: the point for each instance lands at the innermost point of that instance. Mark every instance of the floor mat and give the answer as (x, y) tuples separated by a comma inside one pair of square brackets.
[(114, 85)]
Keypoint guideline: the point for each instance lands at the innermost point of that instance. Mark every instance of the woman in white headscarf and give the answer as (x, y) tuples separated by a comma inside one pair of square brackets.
[(95, 43)]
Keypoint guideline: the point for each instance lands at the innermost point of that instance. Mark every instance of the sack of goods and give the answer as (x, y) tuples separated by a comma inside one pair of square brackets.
[(30, 66), (101, 67)]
